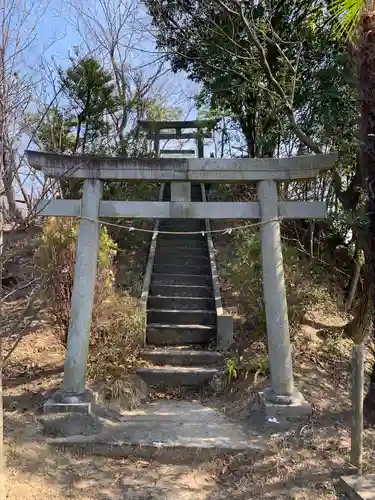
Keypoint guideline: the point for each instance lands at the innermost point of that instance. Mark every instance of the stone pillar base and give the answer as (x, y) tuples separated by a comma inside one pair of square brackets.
[(276, 406), (224, 331), (68, 403)]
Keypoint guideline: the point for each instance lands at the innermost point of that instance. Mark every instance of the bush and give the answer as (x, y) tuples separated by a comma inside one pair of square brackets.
[(56, 256), (243, 269), (118, 322), (115, 343)]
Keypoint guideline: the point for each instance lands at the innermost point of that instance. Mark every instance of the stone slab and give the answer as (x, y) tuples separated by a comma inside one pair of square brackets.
[(51, 406), (176, 376), (297, 408), (174, 356), (359, 487), (166, 430), (162, 335), (61, 424)]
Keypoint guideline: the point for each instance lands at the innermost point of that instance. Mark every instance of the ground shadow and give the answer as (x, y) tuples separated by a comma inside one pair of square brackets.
[(44, 371), (32, 464), (322, 326)]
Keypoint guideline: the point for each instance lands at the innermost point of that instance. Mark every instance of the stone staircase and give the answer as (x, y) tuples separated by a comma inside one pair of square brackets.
[(181, 315)]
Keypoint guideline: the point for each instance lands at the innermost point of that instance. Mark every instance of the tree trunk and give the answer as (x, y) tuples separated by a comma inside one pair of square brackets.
[(369, 402), (2, 459), (355, 278), (2, 455), (312, 229), (359, 328), (353, 286), (366, 64)]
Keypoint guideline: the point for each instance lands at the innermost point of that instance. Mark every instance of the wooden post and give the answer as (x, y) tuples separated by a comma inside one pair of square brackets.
[(83, 290), (200, 147), (358, 364), (279, 347)]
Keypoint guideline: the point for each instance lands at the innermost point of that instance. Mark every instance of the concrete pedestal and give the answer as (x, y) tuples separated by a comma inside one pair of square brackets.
[(359, 487), (224, 332), (294, 406), (63, 403)]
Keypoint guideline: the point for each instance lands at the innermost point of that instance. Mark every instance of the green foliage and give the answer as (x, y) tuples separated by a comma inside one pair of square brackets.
[(56, 256), (229, 66), (131, 190), (242, 268), (243, 367), (231, 369), (347, 13), (257, 366), (156, 111), (107, 249), (90, 91), (260, 365), (52, 134), (98, 114)]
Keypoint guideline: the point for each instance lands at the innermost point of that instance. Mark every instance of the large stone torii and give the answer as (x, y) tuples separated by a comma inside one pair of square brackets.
[(181, 172)]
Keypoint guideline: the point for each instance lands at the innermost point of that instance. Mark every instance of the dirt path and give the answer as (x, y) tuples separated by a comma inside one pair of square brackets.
[(305, 462), (35, 472)]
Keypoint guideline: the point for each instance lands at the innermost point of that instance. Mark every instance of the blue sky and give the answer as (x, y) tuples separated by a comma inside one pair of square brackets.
[(56, 35), (55, 29)]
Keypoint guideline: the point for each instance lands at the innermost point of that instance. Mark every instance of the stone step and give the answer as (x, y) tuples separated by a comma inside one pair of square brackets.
[(180, 220), (180, 302), (178, 249), (176, 376), (167, 334), (181, 279), (183, 224), (181, 290), (185, 259), (176, 224), (181, 317), (165, 431), (183, 356), (183, 237), (166, 267), (181, 241)]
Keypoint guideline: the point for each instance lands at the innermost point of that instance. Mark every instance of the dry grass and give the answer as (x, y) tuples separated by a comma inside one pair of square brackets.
[(306, 458), (118, 322), (305, 462), (114, 351)]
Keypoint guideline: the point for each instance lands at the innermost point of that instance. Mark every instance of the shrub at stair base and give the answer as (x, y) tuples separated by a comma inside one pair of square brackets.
[(118, 323), (240, 270), (240, 266), (115, 345)]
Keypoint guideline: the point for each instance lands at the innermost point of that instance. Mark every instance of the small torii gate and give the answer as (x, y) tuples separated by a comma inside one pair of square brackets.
[(266, 172), (162, 131)]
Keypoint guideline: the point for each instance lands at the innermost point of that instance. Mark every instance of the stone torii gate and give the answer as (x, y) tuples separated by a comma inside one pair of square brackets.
[(265, 172)]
